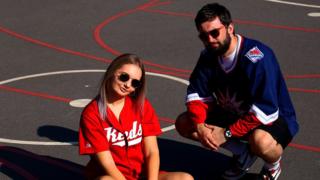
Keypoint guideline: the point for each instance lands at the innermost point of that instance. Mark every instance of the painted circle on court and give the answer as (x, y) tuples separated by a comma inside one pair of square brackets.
[(314, 14), (78, 103)]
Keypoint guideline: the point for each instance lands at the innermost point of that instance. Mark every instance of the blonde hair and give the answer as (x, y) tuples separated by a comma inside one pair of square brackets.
[(138, 95)]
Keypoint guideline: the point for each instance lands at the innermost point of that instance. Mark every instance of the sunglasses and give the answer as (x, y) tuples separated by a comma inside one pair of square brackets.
[(213, 33), (124, 77)]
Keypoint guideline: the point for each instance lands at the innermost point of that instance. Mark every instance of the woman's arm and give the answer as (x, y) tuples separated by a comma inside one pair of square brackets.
[(151, 154), (106, 161)]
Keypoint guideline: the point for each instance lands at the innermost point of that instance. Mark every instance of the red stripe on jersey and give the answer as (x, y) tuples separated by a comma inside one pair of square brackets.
[(197, 111), (243, 125)]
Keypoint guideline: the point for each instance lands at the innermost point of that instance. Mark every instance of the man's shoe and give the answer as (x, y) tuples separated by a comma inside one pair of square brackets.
[(267, 174), (240, 165)]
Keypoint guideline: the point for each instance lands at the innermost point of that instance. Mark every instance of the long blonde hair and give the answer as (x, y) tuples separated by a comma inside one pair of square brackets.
[(138, 95)]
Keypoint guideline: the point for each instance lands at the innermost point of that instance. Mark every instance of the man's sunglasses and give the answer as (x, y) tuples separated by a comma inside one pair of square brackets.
[(124, 77), (213, 33)]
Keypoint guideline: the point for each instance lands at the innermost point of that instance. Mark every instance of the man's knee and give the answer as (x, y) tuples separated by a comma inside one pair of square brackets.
[(262, 143), (183, 125)]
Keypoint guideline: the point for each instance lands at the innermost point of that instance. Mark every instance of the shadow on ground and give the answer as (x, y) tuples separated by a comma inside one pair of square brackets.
[(201, 163), (57, 133), (18, 163), (175, 156)]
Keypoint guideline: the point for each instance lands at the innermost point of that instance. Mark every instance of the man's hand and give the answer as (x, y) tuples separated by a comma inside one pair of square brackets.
[(205, 135), (217, 134)]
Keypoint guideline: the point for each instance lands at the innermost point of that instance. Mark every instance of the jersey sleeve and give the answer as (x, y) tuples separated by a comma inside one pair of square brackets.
[(244, 124), (92, 138), (264, 76), (199, 92), (150, 122)]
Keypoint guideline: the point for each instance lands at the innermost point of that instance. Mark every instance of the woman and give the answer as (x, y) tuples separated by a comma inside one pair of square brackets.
[(118, 129)]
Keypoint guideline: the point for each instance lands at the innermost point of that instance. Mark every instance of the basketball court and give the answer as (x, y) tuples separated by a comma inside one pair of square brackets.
[(54, 53)]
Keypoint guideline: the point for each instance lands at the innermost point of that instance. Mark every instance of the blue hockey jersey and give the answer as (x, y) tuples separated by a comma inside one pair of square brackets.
[(254, 84)]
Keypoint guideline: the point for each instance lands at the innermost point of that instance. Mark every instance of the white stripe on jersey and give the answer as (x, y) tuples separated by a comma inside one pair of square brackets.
[(195, 96), (265, 119), (130, 142)]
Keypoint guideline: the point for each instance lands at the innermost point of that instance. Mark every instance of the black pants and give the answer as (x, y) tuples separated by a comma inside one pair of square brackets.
[(278, 129)]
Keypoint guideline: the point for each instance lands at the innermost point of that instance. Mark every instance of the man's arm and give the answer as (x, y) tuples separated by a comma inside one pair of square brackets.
[(264, 75), (199, 100)]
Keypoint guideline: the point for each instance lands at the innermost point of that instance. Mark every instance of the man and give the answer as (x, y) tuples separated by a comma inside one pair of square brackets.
[(237, 93)]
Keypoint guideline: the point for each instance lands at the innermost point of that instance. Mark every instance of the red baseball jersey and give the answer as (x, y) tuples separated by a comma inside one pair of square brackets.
[(122, 138)]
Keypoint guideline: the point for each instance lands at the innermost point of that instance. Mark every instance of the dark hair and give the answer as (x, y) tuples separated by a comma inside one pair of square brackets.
[(210, 11), (139, 93)]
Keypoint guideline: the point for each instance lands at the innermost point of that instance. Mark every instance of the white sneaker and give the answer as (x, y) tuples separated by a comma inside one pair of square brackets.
[(273, 174)]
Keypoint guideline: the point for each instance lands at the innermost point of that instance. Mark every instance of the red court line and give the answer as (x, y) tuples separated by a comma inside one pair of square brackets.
[(46, 96), (98, 29), (303, 76), (100, 41), (275, 26), (104, 45), (168, 73), (166, 120), (298, 146), (50, 46), (148, 4), (29, 39), (303, 147), (60, 49), (304, 90), (153, 3), (147, 62), (237, 21), (19, 170), (169, 13)]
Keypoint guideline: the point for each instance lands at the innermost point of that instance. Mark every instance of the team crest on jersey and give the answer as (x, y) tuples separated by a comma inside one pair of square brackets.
[(254, 54)]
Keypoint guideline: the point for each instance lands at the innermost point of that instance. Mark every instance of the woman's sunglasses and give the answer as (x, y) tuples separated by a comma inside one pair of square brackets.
[(124, 77)]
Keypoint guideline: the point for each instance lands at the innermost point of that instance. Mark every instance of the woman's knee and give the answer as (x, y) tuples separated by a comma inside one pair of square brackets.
[(104, 178), (175, 176), (185, 176)]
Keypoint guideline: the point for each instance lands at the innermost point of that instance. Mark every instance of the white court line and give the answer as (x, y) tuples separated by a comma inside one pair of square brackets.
[(169, 128), (295, 4), (49, 74), (55, 143), (44, 143), (314, 14)]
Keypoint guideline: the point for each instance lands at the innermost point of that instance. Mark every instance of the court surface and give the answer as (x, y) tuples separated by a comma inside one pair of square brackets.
[(53, 55)]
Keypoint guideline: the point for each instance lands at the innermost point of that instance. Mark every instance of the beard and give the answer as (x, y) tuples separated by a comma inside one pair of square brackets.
[(222, 48)]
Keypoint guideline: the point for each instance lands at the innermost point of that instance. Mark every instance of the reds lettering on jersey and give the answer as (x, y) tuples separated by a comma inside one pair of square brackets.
[(134, 136)]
